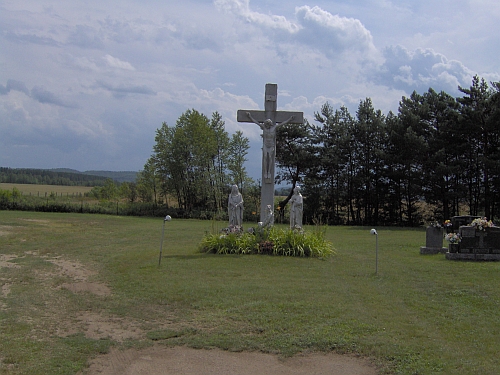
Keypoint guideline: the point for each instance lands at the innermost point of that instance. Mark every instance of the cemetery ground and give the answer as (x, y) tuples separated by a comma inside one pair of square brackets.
[(78, 289)]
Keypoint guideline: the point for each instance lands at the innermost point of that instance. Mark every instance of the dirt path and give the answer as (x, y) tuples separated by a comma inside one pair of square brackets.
[(184, 361)]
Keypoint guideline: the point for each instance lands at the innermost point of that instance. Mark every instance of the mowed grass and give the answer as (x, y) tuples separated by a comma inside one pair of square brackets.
[(418, 315)]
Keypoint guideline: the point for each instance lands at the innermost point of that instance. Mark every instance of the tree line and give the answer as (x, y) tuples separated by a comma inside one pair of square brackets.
[(47, 177), (438, 157)]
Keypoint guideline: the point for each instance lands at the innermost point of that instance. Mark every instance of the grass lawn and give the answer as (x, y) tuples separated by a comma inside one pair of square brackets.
[(418, 315)]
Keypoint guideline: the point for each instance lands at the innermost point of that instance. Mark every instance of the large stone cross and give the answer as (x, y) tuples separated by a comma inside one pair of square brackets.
[(268, 120)]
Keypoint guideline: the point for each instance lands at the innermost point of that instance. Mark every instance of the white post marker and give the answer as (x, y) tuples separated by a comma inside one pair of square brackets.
[(374, 232), (167, 218)]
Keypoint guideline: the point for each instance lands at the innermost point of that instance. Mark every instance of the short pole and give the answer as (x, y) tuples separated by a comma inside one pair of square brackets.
[(374, 232), (167, 218)]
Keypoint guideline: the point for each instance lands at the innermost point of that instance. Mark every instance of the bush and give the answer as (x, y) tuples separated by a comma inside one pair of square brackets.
[(272, 241)]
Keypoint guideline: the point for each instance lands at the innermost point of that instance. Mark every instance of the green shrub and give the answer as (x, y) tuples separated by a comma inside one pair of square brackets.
[(272, 241)]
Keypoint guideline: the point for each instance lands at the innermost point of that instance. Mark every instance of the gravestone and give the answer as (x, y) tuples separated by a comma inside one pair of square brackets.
[(458, 221), (269, 120), (477, 244), (433, 241)]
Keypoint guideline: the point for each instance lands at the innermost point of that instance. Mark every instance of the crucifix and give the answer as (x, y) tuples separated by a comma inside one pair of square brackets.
[(269, 120)]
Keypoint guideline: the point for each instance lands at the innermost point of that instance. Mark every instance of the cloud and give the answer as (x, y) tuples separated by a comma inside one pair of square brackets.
[(331, 33), (117, 63), (86, 37), (420, 69), (312, 29), (122, 90), (38, 93), (14, 85), (32, 38), (46, 97)]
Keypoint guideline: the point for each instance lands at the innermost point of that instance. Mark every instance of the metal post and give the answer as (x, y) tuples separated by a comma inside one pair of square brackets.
[(374, 232), (161, 243), (167, 218)]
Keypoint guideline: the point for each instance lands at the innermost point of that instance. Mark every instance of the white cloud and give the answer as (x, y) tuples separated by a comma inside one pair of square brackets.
[(114, 62), (332, 33), (421, 69)]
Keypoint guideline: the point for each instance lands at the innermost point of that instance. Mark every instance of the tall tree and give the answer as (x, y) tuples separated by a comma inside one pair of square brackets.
[(369, 139), (333, 152), (220, 160), (148, 182), (475, 124), (408, 149), (293, 156), (441, 166), (237, 151), (194, 158)]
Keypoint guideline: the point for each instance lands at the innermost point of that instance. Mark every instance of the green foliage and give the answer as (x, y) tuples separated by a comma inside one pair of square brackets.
[(196, 161), (374, 169), (231, 243), (272, 241)]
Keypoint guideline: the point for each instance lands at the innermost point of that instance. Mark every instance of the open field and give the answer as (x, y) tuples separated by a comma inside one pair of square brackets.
[(74, 286), (45, 190)]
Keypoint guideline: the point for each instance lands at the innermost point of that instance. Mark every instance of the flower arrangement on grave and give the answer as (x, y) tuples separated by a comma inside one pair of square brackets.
[(453, 238), (436, 225), (448, 226), (481, 223)]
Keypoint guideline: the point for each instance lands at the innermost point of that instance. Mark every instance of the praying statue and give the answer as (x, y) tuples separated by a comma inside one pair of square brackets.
[(296, 209), (235, 207)]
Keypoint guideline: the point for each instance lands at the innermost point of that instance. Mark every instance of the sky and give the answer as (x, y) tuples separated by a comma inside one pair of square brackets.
[(85, 84)]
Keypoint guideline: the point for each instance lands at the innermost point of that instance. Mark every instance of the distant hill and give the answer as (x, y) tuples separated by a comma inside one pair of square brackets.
[(121, 176), (62, 176)]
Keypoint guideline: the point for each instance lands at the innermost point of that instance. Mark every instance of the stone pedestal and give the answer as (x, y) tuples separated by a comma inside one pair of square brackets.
[(433, 241)]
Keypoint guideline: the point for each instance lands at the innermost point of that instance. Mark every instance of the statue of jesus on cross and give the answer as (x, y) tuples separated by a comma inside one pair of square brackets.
[(269, 120), (269, 145)]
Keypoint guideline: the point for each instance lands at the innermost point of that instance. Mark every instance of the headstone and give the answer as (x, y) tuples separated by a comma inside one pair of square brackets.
[(433, 241), (268, 120), (477, 244), (458, 221)]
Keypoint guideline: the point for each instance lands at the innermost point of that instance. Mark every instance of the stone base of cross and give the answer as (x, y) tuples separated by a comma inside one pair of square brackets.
[(269, 120)]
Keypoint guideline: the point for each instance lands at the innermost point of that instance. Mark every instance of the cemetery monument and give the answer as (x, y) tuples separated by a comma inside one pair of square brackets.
[(269, 120)]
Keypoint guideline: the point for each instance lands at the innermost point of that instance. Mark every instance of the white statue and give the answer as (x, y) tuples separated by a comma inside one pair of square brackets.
[(235, 207), (269, 221), (296, 209), (269, 145)]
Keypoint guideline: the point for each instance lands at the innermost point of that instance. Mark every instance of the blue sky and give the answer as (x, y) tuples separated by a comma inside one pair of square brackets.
[(85, 84)]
